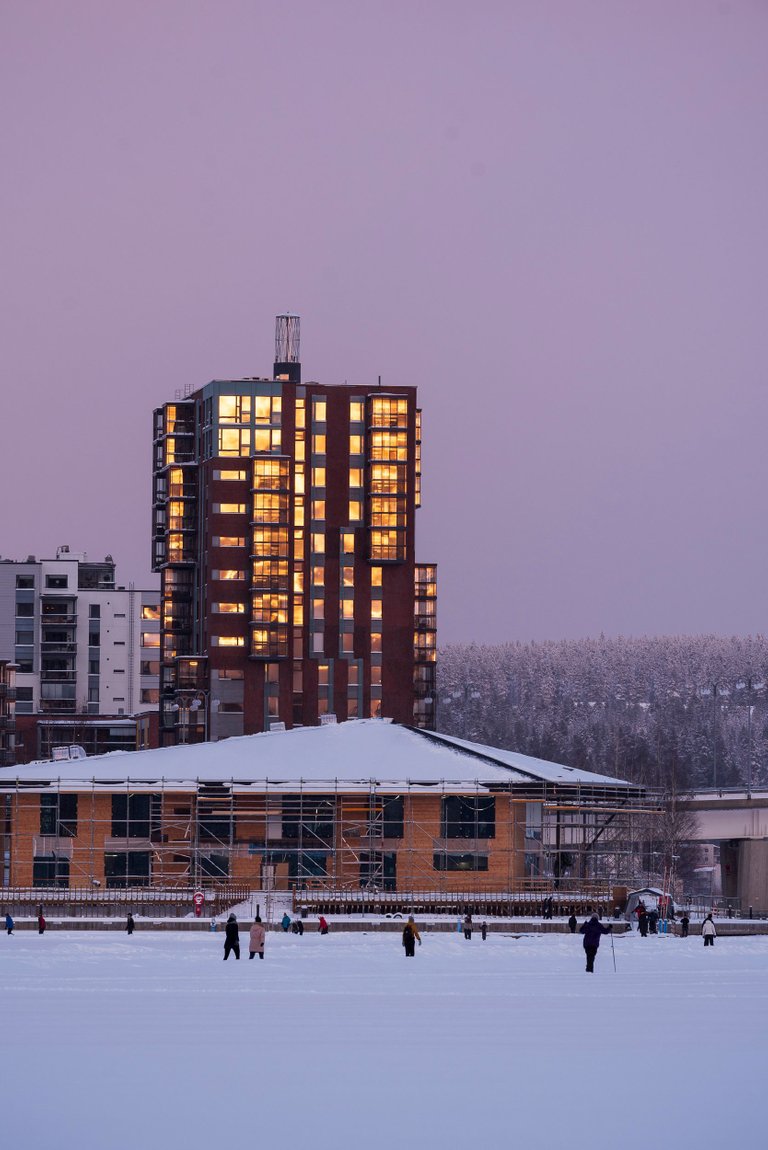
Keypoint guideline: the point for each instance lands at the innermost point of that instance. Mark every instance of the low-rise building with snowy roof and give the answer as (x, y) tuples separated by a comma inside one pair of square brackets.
[(362, 806)]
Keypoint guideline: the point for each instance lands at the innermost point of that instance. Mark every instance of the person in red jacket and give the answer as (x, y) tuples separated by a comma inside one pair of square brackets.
[(322, 925), (40, 923)]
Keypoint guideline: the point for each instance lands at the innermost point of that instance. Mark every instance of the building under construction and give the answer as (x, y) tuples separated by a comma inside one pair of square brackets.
[(363, 814)]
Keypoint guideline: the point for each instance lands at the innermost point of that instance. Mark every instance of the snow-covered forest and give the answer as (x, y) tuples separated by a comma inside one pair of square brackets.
[(675, 712)]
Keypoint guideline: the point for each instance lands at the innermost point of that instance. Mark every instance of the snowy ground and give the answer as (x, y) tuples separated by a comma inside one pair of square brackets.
[(109, 1042)]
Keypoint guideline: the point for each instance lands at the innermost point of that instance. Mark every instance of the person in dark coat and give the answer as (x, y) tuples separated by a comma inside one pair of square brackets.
[(468, 926), (592, 930), (572, 924), (548, 907), (653, 919), (285, 921), (40, 923), (129, 923), (685, 922), (410, 937), (642, 923), (231, 938), (9, 924), (483, 930)]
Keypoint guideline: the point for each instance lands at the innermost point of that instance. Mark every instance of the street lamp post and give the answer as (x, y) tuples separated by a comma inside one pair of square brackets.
[(191, 701)]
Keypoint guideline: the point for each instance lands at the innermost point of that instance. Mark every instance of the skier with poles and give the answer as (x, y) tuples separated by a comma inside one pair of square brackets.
[(592, 930)]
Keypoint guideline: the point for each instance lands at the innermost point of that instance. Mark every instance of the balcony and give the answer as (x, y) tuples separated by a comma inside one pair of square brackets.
[(57, 675), (7, 692), (59, 618), (58, 648)]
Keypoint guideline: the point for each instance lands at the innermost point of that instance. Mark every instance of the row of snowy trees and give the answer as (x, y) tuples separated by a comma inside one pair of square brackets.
[(673, 712)]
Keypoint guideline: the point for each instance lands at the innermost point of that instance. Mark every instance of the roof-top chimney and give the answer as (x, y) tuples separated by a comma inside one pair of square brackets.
[(288, 347)]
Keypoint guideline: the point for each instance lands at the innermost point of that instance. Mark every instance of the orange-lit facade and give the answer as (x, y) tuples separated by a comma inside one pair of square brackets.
[(284, 534)]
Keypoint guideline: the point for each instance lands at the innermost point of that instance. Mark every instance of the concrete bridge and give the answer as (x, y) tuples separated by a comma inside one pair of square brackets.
[(737, 820)]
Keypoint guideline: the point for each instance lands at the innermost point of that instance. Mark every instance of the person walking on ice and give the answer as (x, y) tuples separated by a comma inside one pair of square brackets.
[(129, 923), (257, 938), (709, 931), (232, 938), (410, 937), (9, 924), (592, 930), (40, 923)]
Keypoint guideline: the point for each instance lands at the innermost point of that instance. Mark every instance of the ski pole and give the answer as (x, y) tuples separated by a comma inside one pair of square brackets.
[(613, 952)]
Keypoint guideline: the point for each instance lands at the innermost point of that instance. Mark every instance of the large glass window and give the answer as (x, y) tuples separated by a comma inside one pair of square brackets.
[(234, 409), (309, 818), (58, 815), (466, 862), (464, 817), (126, 868), (135, 816), (50, 870)]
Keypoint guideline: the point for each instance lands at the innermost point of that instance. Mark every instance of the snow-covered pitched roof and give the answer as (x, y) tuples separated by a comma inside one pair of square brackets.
[(356, 752)]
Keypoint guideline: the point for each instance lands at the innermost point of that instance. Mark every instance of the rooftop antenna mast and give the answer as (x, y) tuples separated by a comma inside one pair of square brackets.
[(288, 347)]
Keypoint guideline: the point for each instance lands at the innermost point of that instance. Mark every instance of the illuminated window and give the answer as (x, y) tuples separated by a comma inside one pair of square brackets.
[(318, 445), (319, 410), (270, 542), (355, 445), (298, 612), (347, 608), (263, 409), (323, 673), (150, 639), (226, 473), (318, 509), (228, 574), (267, 439), (229, 509), (318, 576), (234, 409), (353, 674), (388, 479), (355, 477), (377, 574), (376, 642), (388, 445), (355, 510), (348, 576), (228, 541), (348, 542), (300, 450), (270, 508), (270, 474), (298, 514), (268, 572), (318, 477), (227, 641), (355, 411), (348, 643), (301, 413), (234, 441), (298, 582), (229, 608), (150, 612), (387, 411), (318, 608), (269, 608), (376, 676), (387, 544), (318, 543), (376, 608)]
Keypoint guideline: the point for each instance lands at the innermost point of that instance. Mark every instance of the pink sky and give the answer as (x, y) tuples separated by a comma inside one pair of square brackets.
[(550, 216)]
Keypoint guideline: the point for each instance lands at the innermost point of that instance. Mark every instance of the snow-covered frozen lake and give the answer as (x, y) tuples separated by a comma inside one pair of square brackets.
[(110, 1043)]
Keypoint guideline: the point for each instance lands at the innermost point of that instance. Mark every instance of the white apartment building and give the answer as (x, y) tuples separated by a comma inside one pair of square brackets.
[(82, 645)]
